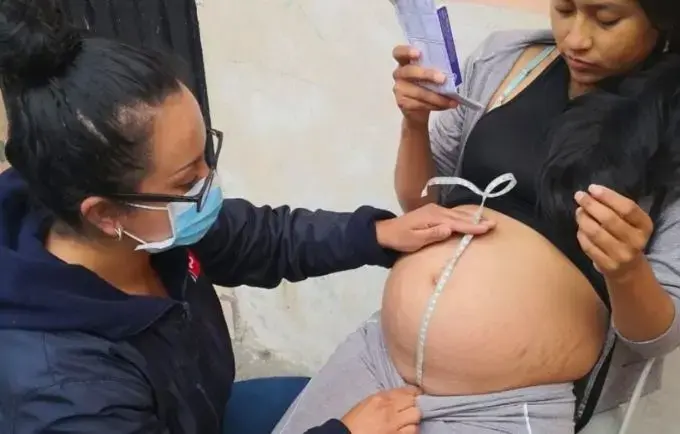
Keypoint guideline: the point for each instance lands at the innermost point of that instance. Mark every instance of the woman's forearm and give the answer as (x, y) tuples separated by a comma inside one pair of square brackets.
[(642, 310), (414, 166)]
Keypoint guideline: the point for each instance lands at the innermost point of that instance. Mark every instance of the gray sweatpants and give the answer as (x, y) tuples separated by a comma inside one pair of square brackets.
[(361, 367)]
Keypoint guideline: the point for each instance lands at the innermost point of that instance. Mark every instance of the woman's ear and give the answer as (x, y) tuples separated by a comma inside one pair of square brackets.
[(102, 214)]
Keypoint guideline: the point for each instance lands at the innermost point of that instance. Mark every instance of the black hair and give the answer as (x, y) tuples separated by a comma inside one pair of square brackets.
[(665, 16), (625, 134), (79, 108)]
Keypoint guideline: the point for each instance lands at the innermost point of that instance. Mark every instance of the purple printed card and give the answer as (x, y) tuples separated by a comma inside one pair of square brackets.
[(428, 29)]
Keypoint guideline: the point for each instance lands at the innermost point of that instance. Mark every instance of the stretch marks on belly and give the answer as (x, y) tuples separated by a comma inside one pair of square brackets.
[(492, 190)]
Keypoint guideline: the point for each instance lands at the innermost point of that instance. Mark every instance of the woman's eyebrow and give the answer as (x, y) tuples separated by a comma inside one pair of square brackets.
[(605, 5)]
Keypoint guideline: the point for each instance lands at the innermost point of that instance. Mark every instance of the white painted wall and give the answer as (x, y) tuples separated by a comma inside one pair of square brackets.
[(302, 89), (3, 135)]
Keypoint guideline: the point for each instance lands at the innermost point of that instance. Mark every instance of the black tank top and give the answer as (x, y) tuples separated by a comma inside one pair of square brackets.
[(511, 138)]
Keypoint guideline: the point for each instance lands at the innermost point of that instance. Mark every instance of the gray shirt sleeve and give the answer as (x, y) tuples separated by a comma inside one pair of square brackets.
[(664, 258), (446, 128), (445, 140)]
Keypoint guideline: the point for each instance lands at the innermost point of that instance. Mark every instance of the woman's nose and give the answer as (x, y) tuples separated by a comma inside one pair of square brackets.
[(579, 37)]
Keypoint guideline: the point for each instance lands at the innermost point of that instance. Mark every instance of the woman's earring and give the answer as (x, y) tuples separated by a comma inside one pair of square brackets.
[(667, 46), (119, 233)]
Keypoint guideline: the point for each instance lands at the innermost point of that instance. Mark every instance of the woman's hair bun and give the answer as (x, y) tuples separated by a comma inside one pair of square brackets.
[(36, 42)]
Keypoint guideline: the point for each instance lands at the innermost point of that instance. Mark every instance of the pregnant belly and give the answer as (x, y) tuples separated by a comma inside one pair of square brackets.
[(515, 312)]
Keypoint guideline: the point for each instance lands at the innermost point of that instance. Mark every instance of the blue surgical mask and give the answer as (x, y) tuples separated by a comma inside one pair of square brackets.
[(188, 225)]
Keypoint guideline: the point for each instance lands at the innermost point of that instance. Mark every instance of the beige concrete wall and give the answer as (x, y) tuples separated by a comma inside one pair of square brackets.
[(302, 90), (3, 135)]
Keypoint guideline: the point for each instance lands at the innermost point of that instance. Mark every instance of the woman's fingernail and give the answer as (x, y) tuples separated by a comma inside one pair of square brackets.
[(579, 195), (595, 189), (414, 53), (439, 77)]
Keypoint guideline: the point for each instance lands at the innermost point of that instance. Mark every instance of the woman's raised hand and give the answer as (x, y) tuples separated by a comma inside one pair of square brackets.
[(415, 101)]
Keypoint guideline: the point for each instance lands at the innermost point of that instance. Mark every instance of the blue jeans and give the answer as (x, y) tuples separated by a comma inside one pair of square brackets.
[(257, 405)]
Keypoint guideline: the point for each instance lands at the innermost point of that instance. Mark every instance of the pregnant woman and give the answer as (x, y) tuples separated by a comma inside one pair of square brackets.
[(580, 279)]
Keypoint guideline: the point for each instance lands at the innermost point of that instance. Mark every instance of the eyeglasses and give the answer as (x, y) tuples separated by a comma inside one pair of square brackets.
[(213, 147)]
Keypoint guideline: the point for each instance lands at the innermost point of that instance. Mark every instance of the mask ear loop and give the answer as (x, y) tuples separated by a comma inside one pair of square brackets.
[(166, 208)]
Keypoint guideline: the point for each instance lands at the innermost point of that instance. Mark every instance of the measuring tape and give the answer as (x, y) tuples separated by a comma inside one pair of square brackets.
[(489, 192)]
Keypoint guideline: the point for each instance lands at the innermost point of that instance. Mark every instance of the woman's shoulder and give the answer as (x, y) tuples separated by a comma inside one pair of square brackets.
[(495, 56), (35, 361), (504, 41)]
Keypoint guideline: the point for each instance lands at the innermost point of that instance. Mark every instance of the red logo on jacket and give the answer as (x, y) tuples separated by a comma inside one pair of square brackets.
[(194, 266)]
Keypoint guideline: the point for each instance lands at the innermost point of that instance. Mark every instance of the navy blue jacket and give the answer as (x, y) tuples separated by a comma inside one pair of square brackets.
[(79, 356)]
